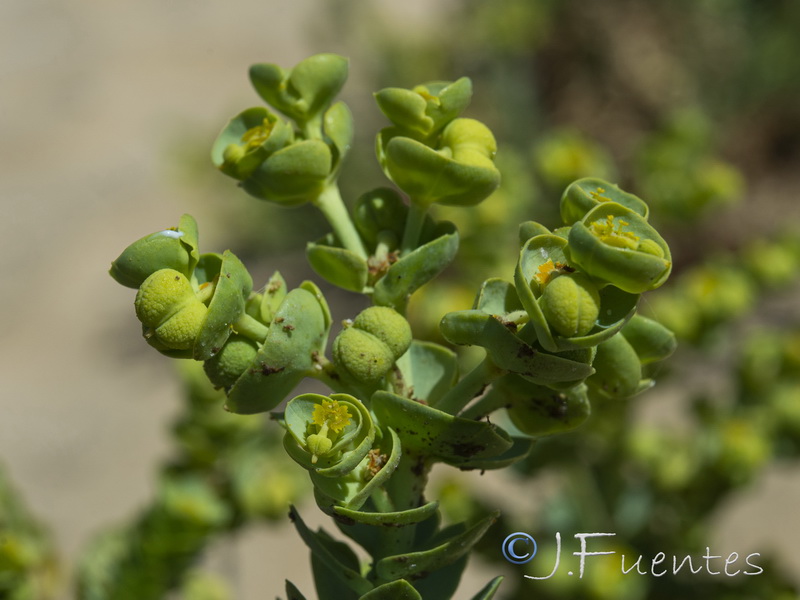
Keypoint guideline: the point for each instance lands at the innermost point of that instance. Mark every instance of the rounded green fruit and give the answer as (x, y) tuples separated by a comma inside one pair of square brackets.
[(571, 304), (225, 367)]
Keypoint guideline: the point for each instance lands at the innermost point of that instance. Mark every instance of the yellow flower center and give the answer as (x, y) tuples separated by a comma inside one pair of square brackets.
[(549, 270), (610, 232), (256, 136), (597, 195), (331, 414)]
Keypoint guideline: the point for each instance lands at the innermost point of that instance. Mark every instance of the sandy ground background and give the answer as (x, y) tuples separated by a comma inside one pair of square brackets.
[(91, 95)]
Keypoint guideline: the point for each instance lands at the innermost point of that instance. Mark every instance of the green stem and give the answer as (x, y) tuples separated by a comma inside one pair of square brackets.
[(332, 206), (414, 223), (471, 385), (249, 327)]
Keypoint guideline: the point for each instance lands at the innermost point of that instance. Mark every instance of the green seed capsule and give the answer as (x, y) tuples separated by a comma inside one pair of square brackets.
[(225, 367), (571, 304), (387, 325), (168, 308), (362, 355)]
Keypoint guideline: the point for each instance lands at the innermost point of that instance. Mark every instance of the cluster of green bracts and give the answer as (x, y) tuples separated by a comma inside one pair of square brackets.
[(567, 327), (564, 329)]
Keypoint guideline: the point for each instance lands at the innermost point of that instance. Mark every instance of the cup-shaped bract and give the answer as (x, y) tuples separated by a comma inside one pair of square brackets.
[(304, 91), (259, 149), (169, 310), (368, 349), (174, 248), (583, 195), (330, 435), (614, 244), (618, 370), (457, 170), (427, 108)]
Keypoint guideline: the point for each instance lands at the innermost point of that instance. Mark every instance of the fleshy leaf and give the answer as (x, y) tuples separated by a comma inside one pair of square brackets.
[(538, 411), (517, 452), (338, 126), (297, 333), (394, 519), (414, 564), (417, 268), (395, 590), (488, 592), (436, 433), (429, 370), (227, 305), (338, 266)]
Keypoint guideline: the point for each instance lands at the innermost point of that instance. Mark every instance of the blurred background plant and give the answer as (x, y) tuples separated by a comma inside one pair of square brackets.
[(692, 105)]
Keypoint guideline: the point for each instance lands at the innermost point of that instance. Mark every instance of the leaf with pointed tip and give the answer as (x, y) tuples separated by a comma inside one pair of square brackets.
[(517, 452), (292, 593), (393, 519), (417, 268), (489, 590), (395, 590), (227, 305), (336, 556), (339, 266), (428, 369), (436, 433), (414, 564)]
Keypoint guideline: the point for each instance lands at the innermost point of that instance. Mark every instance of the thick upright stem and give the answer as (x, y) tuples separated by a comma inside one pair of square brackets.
[(332, 206), (413, 230)]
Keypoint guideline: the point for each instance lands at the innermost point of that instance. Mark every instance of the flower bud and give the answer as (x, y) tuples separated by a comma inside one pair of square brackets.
[(571, 304), (427, 108), (174, 248), (225, 367), (303, 91), (458, 171), (169, 310)]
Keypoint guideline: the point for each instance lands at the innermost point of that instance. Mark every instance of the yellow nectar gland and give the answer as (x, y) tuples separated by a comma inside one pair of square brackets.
[(329, 415), (610, 232), (429, 97), (549, 270), (256, 136), (597, 195)]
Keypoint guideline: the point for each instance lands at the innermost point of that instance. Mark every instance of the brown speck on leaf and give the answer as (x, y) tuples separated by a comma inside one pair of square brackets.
[(288, 328), (274, 287), (279, 319)]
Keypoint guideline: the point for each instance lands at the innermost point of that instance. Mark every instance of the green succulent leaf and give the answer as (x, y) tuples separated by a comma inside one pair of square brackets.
[(509, 352), (338, 127), (460, 172), (292, 593), (297, 334), (497, 297), (174, 248), (650, 339), (538, 411), (585, 194), (392, 519), (336, 556), (432, 432), (414, 564), (293, 175), (233, 286), (489, 590), (274, 293), (614, 244), (395, 590), (429, 369), (417, 268), (530, 229), (303, 91), (519, 450), (339, 266), (618, 369)]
